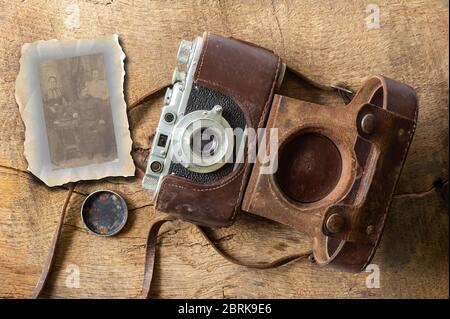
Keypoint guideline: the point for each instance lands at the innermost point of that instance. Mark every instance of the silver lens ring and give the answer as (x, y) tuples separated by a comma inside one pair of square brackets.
[(208, 155), (194, 156)]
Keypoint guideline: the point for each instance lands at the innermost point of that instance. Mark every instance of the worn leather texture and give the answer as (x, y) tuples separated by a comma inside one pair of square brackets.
[(247, 74), (372, 134), (365, 142)]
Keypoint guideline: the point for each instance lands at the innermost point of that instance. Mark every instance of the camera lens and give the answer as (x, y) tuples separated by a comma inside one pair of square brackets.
[(204, 142)]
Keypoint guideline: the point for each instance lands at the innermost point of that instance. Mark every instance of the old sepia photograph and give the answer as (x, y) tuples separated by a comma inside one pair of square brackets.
[(70, 96), (77, 111)]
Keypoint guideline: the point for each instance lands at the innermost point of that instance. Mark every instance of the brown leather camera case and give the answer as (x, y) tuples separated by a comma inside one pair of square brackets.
[(248, 74), (338, 168), (338, 165)]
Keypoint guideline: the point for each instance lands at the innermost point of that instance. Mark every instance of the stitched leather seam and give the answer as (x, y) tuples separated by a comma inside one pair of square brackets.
[(241, 190), (263, 116), (203, 58), (210, 188)]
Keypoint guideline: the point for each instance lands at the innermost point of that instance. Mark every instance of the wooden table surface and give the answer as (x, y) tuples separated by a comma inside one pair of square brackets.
[(327, 40)]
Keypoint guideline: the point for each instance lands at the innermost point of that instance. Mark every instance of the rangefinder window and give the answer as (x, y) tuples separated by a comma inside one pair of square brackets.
[(162, 141)]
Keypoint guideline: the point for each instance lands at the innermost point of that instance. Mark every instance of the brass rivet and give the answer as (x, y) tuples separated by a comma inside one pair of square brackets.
[(335, 223), (368, 123)]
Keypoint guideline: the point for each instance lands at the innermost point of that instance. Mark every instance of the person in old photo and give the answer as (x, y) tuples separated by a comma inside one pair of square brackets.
[(96, 87), (54, 96), (96, 109), (60, 116)]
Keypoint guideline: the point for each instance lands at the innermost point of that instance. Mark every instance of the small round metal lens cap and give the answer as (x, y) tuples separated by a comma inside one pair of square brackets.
[(104, 212)]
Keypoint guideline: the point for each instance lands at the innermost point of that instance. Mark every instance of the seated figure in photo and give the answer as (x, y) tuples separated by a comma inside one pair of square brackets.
[(96, 87), (61, 120), (96, 116), (54, 100)]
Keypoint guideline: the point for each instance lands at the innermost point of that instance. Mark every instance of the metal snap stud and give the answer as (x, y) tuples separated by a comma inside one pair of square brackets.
[(368, 123), (335, 223)]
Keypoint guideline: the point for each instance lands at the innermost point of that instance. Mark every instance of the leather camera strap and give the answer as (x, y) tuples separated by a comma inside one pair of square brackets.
[(150, 254), (152, 237), (341, 88), (51, 253), (256, 265)]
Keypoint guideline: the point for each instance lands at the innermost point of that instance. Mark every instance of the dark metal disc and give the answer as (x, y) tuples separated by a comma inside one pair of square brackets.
[(104, 212)]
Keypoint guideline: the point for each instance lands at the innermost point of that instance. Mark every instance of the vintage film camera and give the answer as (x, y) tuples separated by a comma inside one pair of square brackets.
[(337, 166), (195, 136)]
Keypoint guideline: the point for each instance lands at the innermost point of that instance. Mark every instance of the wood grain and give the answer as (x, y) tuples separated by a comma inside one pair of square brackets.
[(328, 41)]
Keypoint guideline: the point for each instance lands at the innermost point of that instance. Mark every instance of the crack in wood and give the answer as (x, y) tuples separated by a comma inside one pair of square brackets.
[(278, 24)]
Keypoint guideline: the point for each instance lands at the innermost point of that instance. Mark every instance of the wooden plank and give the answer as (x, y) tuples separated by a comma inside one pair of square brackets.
[(329, 42)]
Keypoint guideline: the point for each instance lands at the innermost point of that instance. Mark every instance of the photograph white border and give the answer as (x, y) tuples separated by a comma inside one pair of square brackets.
[(29, 98)]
